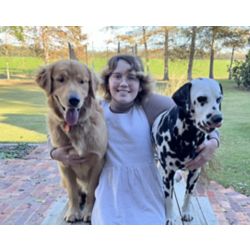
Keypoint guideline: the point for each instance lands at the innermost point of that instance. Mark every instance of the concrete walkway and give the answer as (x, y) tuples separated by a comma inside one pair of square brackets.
[(29, 187)]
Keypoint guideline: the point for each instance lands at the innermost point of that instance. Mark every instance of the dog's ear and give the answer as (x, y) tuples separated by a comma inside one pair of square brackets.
[(93, 83), (44, 80), (221, 89), (182, 96)]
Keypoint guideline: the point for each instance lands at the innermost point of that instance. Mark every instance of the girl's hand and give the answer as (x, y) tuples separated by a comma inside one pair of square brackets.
[(63, 154), (206, 152)]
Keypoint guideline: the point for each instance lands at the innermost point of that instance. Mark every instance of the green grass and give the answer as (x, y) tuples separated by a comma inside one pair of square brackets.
[(22, 112), (234, 153), (178, 68), (27, 66), (19, 67)]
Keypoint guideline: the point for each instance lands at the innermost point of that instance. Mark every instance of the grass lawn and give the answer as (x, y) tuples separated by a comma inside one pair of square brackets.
[(22, 112), (27, 66), (19, 67), (234, 153)]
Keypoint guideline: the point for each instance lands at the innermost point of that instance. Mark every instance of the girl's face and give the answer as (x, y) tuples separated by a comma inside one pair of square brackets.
[(124, 85)]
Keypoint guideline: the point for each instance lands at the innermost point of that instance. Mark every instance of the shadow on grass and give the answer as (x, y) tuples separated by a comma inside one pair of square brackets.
[(36, 123), (27, 94)]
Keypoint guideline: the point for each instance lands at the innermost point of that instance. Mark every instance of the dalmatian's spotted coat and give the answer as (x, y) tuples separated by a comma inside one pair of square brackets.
[(179, 132)]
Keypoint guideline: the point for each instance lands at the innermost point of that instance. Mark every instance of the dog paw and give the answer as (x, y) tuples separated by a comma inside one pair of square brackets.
[(73, 215), (86, 215), (169, 222), (187, 217)]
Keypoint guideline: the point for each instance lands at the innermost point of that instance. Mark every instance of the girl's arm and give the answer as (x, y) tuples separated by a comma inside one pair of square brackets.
[(155, 104)]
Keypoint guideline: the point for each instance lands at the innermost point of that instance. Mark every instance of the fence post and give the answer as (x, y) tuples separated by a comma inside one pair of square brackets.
[(7, 71)]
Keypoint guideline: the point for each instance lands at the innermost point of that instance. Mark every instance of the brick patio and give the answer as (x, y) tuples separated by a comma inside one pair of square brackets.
[(30, 186)]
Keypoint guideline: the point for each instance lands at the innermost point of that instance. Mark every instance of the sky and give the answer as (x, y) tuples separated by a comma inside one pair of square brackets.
[(97, 36)]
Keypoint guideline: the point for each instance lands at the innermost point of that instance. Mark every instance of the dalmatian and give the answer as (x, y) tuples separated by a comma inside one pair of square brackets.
[(179, 132)]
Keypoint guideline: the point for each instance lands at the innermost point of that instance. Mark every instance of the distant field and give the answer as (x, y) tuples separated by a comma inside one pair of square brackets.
[(27, 66), (19, 67), (178, 68)]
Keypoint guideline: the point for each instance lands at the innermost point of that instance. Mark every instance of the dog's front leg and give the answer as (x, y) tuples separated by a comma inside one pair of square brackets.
[(96, 168), (191, 181), (168, 181), (73, 212)]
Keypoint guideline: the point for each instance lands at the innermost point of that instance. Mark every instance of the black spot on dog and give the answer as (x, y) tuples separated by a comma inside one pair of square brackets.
[(166, 194), (208, 116), (159, 139), (176, 131), (177, 163)]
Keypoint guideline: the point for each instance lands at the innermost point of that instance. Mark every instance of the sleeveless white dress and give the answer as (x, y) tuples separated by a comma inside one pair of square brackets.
[(129, 189)]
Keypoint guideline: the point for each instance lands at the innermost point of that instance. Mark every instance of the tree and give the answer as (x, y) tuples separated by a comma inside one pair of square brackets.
[(212, 38), (166, 52), (76, 36), (241, 72), (237, 38), (128, 40), (141, 36), (191, 53), (16, 32), (166, 30), (12, 32), (145, 39)]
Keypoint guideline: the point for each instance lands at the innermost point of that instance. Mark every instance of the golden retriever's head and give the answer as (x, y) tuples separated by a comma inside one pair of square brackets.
[(70, 86)]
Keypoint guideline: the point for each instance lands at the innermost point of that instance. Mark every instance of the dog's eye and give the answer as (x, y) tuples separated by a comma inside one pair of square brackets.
[(202, 99), (60, 79), (81, 81)]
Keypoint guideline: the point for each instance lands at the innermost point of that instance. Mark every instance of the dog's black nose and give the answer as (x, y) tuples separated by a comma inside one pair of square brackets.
[(74, 101), (217, 118)]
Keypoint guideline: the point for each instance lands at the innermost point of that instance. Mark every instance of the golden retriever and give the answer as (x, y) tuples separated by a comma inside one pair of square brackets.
[(75, 118)]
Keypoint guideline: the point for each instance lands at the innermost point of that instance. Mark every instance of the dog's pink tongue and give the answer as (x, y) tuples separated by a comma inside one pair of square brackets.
[(72, 116)]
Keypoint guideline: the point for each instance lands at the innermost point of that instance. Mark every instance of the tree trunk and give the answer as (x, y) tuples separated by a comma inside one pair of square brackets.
[(211, 66), (192, 52), (166, 76), (145, 47), (44, 38), (231, 64)]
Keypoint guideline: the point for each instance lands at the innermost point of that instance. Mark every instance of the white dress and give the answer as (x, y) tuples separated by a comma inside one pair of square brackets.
[(130, 189)]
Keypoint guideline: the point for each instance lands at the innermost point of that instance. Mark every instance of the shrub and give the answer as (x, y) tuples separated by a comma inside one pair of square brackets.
[(241, 72)]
